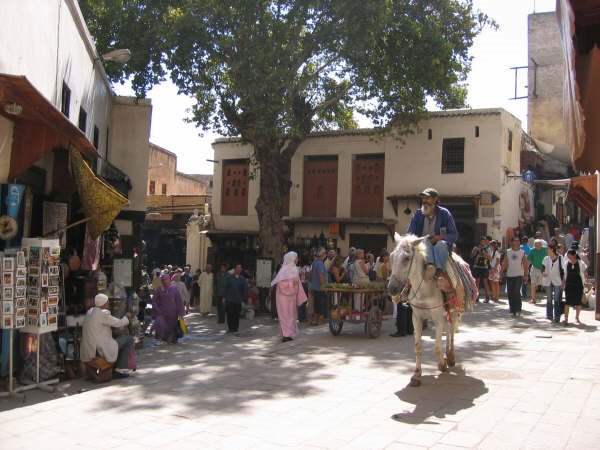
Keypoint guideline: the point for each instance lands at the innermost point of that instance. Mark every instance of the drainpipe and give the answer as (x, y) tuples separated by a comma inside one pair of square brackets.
[(597, 250)]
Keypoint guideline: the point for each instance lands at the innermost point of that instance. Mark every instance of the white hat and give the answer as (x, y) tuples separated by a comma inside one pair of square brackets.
[(100, 299)]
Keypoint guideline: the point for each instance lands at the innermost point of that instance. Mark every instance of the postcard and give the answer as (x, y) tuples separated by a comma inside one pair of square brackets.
[(7, 308), (21, 272), (31, 311), (53, 271), (52, 319), (34, 271), (7, 279), (7, 322), (53, 300), (53, 281), (52, 290), (20, 259), (43, 320), (52, 309), (21, 283), (33, 301), (21, 302), (19, 322), (44, 280), (33, 321), (8, 264), (34, 291), (20, 312), (44, 306), (7, 293)]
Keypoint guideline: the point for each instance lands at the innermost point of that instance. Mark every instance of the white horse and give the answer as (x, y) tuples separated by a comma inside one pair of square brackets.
[(408, 277)]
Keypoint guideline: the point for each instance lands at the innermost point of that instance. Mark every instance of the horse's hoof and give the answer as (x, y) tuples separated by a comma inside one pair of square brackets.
[(415, 382), (443, 366)]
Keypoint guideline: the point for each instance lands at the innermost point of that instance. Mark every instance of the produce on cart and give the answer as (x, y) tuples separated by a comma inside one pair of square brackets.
[(356, 303)]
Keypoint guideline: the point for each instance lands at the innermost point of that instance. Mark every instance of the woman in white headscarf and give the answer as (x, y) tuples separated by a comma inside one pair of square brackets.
[(289, 295)]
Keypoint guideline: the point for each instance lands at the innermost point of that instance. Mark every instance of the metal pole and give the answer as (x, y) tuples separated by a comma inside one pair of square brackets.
[(596, 250)]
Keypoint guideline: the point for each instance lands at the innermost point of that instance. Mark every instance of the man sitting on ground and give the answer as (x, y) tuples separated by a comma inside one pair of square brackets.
[(97, 340)]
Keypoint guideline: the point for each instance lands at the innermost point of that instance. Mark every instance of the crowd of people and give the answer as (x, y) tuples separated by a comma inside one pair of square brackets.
[(556, 265), (528, 265)]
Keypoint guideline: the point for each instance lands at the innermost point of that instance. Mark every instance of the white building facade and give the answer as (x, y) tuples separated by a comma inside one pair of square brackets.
[(470, 156), (54, 98)]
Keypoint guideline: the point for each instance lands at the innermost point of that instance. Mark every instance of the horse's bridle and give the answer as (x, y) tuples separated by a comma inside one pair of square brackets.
[(407, 285)]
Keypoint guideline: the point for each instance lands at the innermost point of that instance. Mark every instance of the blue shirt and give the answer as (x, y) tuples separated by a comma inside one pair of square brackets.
[(236, 288), (443, 219), (525, 249), (318, 267)]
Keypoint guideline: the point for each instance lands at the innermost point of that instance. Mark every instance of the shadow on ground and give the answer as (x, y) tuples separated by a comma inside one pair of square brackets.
[(210, 372), (440, 396)]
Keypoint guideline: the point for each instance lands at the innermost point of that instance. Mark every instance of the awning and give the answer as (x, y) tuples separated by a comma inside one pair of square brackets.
[(39, 127), (101, 202), (341, 222), (582, 191), (581, 99), (562, 183)]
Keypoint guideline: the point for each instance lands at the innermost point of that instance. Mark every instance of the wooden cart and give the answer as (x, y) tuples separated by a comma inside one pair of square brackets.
[(356, 305)]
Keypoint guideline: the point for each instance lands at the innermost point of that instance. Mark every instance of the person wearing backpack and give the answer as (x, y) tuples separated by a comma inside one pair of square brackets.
[(553, 275)]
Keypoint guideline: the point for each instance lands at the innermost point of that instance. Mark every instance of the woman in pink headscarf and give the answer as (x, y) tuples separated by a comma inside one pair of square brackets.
[(289, 295)]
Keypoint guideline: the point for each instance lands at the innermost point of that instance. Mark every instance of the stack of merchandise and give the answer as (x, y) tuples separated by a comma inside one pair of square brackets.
[(13, 291)]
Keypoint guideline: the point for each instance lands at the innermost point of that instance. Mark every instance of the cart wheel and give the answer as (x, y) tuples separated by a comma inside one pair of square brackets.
[(335, 326), (373, 323)]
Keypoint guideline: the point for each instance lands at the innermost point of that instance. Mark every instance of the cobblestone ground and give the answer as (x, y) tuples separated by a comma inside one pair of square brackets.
[(523, 383)]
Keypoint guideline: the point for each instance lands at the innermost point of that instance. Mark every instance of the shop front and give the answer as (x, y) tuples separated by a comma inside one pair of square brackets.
[(57, 234)]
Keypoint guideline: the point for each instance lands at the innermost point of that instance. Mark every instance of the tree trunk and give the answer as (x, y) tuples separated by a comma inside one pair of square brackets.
[(269, 205)]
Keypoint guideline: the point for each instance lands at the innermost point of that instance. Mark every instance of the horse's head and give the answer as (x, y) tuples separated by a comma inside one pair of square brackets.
[(409, 252)]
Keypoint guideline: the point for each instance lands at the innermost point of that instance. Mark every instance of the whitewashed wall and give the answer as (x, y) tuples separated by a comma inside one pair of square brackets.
[(48, 42), (410, 166)]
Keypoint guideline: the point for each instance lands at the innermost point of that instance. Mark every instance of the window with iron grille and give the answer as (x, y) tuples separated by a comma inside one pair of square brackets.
[(152, 188), (453, 155), (164, 189)]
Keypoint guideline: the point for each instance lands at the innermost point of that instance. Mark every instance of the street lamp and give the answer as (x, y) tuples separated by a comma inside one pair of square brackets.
[(119, 56)]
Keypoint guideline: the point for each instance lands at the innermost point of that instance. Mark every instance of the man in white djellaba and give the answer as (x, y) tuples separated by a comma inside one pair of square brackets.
[(206, 282)]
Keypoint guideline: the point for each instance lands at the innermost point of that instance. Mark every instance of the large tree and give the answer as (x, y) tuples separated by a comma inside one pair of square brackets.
[(271, 72)]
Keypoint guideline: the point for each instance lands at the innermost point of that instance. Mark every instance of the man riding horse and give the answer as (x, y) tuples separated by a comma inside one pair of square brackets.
[(436, 222)]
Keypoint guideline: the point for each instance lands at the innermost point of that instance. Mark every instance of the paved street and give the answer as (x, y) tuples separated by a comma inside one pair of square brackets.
[(517, 384)]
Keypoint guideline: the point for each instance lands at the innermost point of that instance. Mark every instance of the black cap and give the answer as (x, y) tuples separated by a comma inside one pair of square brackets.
[(429, 192)]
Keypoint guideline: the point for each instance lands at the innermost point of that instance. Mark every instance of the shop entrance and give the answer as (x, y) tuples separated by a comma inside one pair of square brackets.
[(373, 243)]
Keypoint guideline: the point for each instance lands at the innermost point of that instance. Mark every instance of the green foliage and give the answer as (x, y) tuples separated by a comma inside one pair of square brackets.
[(270, 71)]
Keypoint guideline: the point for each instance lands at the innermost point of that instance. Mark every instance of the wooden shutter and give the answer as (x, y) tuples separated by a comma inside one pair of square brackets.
[(367, 185), (234, 196), (320, 186)]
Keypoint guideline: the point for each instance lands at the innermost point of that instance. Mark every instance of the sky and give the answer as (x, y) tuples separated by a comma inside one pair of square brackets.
[(491, 84)]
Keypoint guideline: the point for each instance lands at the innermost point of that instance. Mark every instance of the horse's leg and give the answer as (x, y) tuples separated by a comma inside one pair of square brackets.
[(450, 356), (415, 380), (438, 318)]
